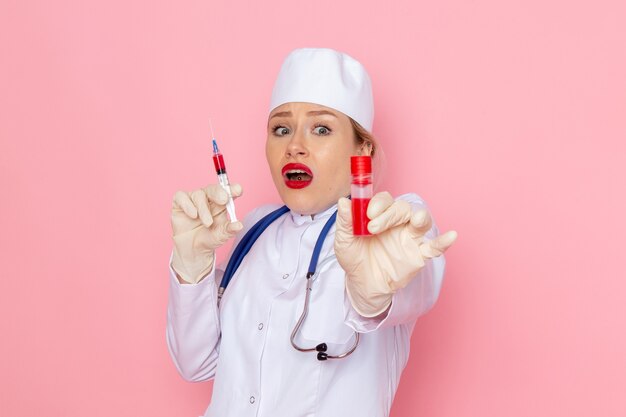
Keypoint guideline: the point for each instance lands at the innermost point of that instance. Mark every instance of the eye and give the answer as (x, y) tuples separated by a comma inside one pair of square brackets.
[(280, 130), (321, 130)]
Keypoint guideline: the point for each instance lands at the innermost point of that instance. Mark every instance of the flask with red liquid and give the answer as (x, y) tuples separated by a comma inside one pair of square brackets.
[(362, 191)]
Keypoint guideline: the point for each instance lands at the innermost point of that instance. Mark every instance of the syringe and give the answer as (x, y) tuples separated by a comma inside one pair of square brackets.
[(220, 168)]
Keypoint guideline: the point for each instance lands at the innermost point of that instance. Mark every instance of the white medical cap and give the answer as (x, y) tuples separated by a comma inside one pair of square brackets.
[(329, 78)]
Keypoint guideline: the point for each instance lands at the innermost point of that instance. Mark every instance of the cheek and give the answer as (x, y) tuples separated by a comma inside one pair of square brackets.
[(272, 154), (341, 157), (336, 168)]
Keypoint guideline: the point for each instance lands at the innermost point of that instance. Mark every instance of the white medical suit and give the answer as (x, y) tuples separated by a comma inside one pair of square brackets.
[(245, 344)]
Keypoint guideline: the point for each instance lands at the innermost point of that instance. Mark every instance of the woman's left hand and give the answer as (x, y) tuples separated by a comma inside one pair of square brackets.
[(377, 266)]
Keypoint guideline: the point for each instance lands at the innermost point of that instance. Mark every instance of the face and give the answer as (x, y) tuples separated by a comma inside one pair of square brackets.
[(308, 150)]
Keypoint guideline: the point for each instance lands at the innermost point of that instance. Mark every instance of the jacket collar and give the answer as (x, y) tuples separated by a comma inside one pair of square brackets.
[(301, 219)]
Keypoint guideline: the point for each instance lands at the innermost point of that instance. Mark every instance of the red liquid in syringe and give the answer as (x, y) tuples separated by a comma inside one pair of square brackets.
[(218, 161)]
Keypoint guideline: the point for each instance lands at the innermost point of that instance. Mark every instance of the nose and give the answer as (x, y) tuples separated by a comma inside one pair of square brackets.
[(296, 146)]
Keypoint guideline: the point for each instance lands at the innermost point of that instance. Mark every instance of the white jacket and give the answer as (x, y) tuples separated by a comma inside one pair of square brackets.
[(245, 344)]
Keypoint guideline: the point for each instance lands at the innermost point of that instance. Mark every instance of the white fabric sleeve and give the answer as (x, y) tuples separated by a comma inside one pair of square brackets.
[(412, 301), (193, 330)]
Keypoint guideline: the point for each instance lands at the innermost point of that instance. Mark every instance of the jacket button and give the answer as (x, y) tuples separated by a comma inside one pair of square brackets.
[(285, 276), (252, 400), (260, 326)]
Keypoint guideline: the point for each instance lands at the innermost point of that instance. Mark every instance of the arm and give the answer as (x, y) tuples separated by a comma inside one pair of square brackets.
[(412, 301), (407, 304), (193, 329), (199, 226)]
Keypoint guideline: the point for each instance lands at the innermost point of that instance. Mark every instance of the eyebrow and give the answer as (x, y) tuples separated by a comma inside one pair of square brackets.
[(281, 114), (320, 112), (311, 113)]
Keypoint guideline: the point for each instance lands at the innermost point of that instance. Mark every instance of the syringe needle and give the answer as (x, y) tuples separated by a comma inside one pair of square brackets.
[(211, 125)]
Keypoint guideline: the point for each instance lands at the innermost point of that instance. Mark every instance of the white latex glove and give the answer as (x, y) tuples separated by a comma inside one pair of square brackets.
[(377, 266), (200, 225)]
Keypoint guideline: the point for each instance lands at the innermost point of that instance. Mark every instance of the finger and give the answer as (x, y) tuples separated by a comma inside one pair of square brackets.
[(438, 245), (228, 230), (343, 230), (216, 194), (421, 222), (236, 190), (379, 203), (183, 202), (396, 214), (199, 198), (234, 227)]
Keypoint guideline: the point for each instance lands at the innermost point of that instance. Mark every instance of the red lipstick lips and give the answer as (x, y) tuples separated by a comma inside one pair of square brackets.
[(297, 175)]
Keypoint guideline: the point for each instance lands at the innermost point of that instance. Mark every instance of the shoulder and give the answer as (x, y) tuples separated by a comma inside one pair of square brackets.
[(252, 217), (258, 213)]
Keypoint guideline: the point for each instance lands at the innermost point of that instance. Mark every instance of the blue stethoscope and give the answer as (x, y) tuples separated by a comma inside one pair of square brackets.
[(244, 247)]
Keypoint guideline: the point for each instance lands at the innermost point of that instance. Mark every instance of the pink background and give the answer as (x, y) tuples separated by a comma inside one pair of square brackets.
[(508, 117)]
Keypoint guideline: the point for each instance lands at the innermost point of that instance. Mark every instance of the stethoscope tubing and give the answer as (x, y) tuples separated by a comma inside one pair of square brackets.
[(244, 247), (322, 347)]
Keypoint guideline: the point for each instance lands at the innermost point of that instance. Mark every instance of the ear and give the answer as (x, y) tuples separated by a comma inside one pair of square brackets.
[(365, 149)]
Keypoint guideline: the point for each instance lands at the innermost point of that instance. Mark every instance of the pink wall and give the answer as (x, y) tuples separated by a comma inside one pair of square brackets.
[(507, 117)]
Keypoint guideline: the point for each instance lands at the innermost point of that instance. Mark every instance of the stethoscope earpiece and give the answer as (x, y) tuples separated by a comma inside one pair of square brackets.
[(321, 352)]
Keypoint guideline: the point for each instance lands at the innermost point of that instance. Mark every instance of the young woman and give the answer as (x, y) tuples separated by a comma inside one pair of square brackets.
[(294, 335)]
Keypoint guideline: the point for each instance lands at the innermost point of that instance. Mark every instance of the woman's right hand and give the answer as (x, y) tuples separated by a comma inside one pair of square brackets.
[(200, 225)]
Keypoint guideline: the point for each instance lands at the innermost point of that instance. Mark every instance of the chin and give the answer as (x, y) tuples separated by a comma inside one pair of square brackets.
[(303, 204), (305, 201)]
